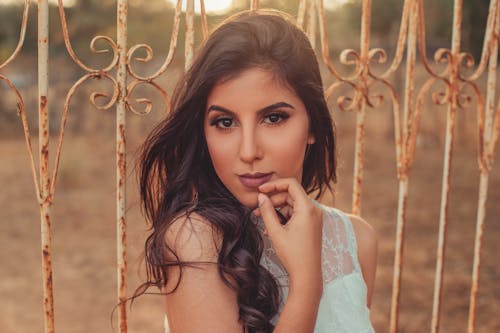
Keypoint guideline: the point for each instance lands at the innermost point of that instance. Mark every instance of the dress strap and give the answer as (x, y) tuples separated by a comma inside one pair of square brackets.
[(351, 236), (339, 255)]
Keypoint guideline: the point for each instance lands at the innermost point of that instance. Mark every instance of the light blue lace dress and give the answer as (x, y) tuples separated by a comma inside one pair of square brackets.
[(343, 304), (342, 307)]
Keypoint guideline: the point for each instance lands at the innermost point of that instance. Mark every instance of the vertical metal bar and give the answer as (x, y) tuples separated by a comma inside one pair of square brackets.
[(450, 124), (481, 214), (358, 159), (189, 44), (398, 256), (311, 24), (121, 78), (484, 176), (438, 282), (204, 27), (254, 5), (301, 13), (403, 167), (360, 119), (43, 135)]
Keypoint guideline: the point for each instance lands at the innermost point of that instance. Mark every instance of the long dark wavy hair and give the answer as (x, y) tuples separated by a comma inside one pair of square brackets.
[(177, 175)]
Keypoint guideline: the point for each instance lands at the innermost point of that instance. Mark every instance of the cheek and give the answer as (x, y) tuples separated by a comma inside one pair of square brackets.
[(220, 151), (287, 152)]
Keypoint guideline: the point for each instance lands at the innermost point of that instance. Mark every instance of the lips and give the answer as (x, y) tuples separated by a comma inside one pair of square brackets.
[(254, 180)]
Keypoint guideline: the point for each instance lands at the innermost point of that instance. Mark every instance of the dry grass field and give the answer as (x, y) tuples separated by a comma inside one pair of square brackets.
[(83, 213), (84, 234)]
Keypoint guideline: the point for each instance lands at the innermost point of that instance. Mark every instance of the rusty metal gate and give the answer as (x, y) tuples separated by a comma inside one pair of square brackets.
[(458, 72)]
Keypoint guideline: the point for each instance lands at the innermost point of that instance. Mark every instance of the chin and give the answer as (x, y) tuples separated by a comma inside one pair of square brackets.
[(249, 201)]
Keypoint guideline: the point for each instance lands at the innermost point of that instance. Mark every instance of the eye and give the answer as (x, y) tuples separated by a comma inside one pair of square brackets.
[(275, 118), (223, 123)]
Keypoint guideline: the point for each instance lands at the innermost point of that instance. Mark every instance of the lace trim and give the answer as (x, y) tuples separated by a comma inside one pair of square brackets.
[(338, 256), (339, 249)]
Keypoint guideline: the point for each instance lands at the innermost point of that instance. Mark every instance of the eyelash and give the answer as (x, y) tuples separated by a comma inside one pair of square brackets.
[(282, 115), (218, 120)]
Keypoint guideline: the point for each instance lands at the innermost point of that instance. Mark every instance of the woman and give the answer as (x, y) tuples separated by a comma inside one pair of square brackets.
[(237, 244)]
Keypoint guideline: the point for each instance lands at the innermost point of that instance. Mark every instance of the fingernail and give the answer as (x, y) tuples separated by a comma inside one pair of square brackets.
[(261, 198)]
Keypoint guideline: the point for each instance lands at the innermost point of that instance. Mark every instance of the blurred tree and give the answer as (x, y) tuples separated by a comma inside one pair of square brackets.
[(386, 17), (87, 5), (289, 6), (89, 18), (475, 14)]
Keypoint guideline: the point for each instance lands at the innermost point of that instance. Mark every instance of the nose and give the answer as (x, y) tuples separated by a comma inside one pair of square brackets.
[(250, 149)]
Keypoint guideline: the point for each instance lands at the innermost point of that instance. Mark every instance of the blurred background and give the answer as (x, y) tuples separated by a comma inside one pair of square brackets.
[(83, 214)]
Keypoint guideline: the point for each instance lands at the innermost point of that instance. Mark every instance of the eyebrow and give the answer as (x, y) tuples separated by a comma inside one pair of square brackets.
[(263, 110)]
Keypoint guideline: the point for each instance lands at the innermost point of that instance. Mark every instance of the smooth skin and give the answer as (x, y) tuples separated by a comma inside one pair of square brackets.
[(256, 124)]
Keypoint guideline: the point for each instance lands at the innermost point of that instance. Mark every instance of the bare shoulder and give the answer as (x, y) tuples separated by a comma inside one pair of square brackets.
[(366, 235), (193, 238), (366, 239), (197, 299)]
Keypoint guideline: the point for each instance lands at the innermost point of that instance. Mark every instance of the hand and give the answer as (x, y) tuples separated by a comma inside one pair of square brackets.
[(298, 242)]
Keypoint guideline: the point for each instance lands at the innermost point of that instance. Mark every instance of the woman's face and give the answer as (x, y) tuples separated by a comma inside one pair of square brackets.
[(256, 129)]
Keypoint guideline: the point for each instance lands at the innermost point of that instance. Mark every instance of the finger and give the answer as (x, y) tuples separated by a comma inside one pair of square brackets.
[(290, 185), (268, 214), (286, 211), (283, 219), (279, 199), (256, 211)]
